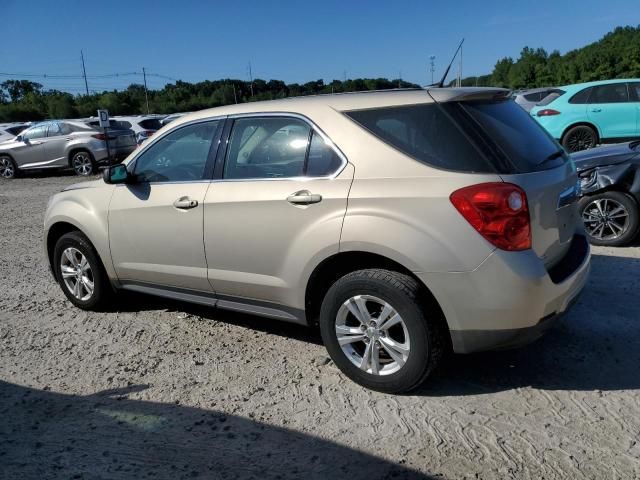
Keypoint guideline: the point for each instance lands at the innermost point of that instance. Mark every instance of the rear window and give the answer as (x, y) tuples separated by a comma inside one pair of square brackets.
[(425, 133), (150, 124), (550, 97), (522, 140)]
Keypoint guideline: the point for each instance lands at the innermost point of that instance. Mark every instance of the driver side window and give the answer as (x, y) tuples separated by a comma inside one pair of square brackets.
[(179, 156)]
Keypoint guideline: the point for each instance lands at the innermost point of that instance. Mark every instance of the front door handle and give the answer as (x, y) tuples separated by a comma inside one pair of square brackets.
[(596, 110), (304, 197), (185, 203)]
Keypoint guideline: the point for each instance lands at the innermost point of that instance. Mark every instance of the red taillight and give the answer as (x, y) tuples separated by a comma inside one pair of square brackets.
[(100, 136), (498, 211), (548, 112)]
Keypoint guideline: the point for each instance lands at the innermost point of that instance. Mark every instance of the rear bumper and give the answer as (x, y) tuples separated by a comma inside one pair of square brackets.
[(510, 299)]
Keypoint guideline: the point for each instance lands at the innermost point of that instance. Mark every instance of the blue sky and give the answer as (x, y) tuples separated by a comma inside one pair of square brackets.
[(293, 41)]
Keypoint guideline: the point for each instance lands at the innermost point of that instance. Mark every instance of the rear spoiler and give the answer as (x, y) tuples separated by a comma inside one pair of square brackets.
[(468, 94)]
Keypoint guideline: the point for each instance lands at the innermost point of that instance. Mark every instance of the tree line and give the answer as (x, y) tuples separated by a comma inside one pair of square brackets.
[(616, 55)]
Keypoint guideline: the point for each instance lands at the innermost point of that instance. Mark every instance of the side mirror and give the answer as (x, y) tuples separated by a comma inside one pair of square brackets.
[(116, 174), (19, 138)]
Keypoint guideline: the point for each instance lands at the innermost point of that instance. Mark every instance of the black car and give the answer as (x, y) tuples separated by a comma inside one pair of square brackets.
[(610, 198)]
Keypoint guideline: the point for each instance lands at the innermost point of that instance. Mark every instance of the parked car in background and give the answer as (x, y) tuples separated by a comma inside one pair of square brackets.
[(402, 222), (587, 114), (528, 99), (9, 131), (62, 144), (170, 118), (143, 126), (610, 184)]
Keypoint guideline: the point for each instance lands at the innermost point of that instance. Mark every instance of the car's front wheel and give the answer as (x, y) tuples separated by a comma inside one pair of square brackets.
[(379, 331), (610, 218), (8, 168), (80, 272), (82, 163)]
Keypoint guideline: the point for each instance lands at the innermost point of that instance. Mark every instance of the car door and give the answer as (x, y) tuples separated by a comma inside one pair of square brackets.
[(155, 223), (277, 204), (29, 152), (634, 96), (54, 144), (610, 110)]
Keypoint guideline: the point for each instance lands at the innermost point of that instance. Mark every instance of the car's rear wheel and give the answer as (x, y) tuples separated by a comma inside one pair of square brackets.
[(579, 138), (82, 163), (80, 272), (379, 331), (8, 167), (610, 218)]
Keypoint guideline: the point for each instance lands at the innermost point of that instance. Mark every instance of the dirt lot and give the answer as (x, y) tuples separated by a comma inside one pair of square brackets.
[(166, 390)]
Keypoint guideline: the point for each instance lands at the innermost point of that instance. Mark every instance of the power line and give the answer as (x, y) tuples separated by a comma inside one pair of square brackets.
[(81, 77)]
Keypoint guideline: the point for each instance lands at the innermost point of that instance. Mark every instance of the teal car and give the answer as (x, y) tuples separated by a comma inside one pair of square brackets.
[(584, 115)]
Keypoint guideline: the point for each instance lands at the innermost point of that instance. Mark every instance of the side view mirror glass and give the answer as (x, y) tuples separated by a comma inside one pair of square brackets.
[(116, 174), (19, 138)]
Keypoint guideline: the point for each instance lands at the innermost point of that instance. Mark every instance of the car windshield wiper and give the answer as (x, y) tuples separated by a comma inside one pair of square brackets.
[(553, 156)]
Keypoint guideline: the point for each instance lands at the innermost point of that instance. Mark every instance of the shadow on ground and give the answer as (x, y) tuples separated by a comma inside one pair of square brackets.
[(595, 347), (107, 435)]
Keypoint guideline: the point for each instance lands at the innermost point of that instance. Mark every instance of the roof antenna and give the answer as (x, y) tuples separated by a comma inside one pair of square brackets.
[(440, 84)]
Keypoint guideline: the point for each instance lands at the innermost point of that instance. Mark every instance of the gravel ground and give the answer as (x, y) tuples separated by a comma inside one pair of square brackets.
[(167, 390)]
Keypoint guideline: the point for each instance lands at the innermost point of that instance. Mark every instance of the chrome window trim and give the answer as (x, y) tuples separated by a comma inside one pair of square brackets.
[(313, 127)]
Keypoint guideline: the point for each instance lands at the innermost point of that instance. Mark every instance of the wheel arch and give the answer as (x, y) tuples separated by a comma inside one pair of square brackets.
[(582, 124), (336, 266), (75, 149)]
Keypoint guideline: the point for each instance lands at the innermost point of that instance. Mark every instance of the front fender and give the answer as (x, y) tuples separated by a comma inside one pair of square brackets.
[(87, 210)]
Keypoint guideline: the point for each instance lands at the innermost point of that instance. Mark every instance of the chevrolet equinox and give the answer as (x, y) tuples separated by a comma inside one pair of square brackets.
[(403, 223)]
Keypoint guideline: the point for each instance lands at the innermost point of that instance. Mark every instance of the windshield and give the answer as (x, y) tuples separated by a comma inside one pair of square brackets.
[(524, 142)]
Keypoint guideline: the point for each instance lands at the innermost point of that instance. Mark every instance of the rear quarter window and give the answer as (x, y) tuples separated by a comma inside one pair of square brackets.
[(150, 124), (425, 133)]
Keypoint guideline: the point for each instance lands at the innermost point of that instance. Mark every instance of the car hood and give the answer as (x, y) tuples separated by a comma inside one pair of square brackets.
[(606, 155), (89, 184)]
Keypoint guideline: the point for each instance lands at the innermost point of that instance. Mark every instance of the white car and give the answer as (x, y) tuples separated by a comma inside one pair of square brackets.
[(143, 125), (8, 131)]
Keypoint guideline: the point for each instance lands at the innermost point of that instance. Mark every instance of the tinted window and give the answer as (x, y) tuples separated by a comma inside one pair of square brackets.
[(550, 97), (322, 160), (612, 93), (15, 130), (582, 96), (54, 130), (524, 142), (534, 97), (267, 148), (425, 133), (634, 91), (35, 132), (150, 124), (179, 156)]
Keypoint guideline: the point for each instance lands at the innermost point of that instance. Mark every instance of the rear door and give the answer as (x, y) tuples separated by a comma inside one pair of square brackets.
[(611, 111), (55, 143), (278, 203), (634, 96), (541, 168)]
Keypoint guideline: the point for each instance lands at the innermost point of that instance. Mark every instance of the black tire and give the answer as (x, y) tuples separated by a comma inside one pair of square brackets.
[(102, 290), (578, 138), (402, 292), (82, 163), (8, 168), (609, 202)]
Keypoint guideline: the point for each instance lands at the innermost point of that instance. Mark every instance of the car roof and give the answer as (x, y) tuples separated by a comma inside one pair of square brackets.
[(341, 102), (580, 86)]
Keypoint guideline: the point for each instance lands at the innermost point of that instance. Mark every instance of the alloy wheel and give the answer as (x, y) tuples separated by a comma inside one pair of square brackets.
[(605, 219), (82, 164), (372, 335), (77, 274), (581, 140), (6, 168)]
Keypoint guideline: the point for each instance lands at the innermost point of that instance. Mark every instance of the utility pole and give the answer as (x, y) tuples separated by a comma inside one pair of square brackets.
[(399, 79), (432, 66), (84, 73), (235, 98), (250, 80), (146, 93)]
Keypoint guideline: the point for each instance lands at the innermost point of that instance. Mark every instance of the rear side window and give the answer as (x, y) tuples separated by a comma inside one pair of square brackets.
[(534, 97), (322, 159), (581, 97), (612, 93), (524, 142), (425, 133), (150, 124), (550, 97), (634, 91)]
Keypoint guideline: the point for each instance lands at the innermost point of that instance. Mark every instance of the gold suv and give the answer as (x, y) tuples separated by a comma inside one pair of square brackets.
[(404, 223)]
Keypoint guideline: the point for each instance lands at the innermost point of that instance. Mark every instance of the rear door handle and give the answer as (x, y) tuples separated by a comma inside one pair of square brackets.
[(304, 197), (596, 110), (185, 203)]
